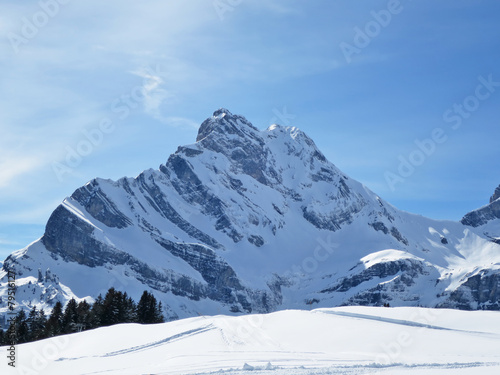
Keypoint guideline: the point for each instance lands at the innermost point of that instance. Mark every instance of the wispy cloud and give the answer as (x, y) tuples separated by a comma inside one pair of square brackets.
[(180, 122), (15, 166), (153, 91)]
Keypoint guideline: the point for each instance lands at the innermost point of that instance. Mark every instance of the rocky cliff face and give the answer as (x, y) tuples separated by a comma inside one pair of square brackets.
[(486, 219), (495, 195), (481, 290), (252, 221)]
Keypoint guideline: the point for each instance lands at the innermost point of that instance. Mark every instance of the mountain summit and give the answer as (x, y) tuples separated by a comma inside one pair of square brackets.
[(252, 221), (224, 122)]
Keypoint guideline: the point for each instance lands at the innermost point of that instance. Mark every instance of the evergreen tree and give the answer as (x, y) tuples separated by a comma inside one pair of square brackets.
[(22, 328), (159, 318), (69, 320), (53, 327), (148, 310), (96, 312), (116, 307), (36, 324), (40, 324), (129, 309), (120, 307), (31, 321), (83, 315), (110, 309), (143, 314)]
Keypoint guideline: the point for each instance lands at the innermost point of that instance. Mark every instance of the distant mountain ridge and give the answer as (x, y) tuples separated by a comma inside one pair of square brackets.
[(255, 221), (487, 218)]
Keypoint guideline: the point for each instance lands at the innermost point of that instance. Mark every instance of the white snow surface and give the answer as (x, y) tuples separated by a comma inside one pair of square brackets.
[(343, 340)]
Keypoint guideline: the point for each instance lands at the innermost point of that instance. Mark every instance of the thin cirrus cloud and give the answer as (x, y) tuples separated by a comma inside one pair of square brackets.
[(16, 165), (152, 93)]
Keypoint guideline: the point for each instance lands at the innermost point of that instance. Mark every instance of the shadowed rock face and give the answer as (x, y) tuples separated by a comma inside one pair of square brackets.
[(237, 139), (481, 290), (495, 195), (410, 268), (484, 214), (99, 206)]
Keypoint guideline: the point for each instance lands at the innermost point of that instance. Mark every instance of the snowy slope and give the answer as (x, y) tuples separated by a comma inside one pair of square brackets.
[(251, 221), (348, 340)]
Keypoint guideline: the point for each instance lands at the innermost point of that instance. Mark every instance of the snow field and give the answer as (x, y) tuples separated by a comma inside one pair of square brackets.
[(347, 340)]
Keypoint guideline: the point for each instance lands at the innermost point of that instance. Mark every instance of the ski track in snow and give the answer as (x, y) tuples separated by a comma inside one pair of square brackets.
[(426, 368), (352, 370), (151, 345), (402, 322)]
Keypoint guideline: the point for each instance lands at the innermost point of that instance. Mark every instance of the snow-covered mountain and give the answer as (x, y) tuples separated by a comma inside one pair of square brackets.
[(255, 221)]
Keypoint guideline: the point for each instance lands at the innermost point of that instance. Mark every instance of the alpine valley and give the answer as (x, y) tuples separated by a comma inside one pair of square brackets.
[(246, 221)]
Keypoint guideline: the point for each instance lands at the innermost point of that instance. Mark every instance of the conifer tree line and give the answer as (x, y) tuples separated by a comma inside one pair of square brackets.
[(116, 307)]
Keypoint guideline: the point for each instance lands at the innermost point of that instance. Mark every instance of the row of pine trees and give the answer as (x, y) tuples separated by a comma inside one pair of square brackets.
[(116, 307)]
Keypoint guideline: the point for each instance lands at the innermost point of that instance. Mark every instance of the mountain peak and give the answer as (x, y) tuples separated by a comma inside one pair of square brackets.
[(495, 195), (221, 112), (223, 122)]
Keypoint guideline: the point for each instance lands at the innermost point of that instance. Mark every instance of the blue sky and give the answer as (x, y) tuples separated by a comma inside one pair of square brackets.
[(108, 89)]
